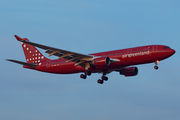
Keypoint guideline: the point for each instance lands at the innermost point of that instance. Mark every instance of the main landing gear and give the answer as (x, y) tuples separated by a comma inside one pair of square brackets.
[(103, 78), (100, 81), (156, 63), (84, 76)]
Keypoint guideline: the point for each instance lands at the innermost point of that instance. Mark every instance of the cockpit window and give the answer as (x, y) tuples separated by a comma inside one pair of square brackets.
[(166, 47)]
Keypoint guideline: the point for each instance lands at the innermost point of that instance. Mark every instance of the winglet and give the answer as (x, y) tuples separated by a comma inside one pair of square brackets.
[(20, 39)]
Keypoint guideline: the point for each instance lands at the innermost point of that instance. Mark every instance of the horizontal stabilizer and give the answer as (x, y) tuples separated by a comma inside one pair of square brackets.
[(33, 65)]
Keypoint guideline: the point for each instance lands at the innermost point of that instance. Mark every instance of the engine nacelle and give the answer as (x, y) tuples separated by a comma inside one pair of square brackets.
[(130, 71), (101, 62)]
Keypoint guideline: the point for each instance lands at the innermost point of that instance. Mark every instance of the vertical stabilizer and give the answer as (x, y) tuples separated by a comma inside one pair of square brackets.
[(32, 54)]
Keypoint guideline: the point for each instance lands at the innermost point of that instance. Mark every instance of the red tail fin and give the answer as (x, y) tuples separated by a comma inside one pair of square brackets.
[(31, 53)]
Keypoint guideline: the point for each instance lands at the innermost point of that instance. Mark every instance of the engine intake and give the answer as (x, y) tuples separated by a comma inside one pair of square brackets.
[(101, 62), (130, 71)]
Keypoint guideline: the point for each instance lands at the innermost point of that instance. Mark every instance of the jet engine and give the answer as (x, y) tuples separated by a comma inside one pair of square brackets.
[(101, 62), (130, 71)]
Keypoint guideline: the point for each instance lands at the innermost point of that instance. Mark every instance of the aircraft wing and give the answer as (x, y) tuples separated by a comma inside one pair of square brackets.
[(79, 59)]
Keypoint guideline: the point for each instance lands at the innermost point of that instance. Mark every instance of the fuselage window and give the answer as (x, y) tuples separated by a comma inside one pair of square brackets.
[(103, 56), (110, 54), (118, 53), (141, 50), (137, 51)]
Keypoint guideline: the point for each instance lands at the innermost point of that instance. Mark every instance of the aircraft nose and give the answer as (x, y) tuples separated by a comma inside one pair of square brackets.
[(168, 52), (172, 51)]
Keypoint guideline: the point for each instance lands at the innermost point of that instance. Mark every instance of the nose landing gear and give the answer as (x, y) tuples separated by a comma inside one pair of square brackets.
[(156, 67), (156, 63)]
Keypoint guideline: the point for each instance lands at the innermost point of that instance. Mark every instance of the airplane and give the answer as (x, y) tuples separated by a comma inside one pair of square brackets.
[(68, 62)]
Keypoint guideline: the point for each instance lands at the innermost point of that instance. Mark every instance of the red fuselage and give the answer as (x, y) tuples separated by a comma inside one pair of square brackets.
[(127, 57)]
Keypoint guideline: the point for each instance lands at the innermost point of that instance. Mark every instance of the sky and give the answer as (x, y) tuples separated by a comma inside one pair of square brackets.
[(89, 27)]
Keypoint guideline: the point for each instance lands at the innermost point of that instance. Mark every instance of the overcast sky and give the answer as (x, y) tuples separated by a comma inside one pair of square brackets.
[(89, 27)]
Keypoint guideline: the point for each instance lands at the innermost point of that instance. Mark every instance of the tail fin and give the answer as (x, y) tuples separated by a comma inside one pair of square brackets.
[(31, 53)]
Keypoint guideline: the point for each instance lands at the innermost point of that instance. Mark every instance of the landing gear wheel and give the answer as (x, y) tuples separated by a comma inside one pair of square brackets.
[(88, 73), (83, 76), (156, 63), (156, 67), (104, 78), (100, 81)]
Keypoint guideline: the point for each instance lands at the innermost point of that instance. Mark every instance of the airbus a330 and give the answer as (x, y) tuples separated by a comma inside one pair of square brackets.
[(68, 62)]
